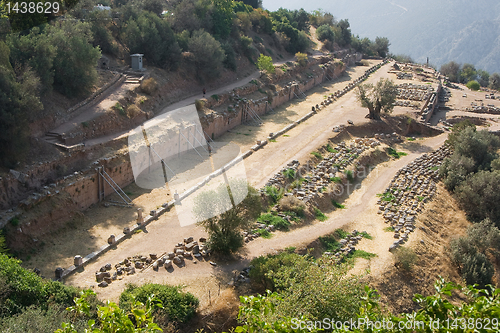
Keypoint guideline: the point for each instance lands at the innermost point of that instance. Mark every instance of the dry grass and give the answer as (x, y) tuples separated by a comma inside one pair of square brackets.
[(133, 111), (149, 86), (442, 221)]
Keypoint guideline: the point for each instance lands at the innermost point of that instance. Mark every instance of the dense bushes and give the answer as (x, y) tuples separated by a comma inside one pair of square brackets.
[(313, 288), (470, 252), (177, 305), (469, 173), (153, 36), (20, 288)]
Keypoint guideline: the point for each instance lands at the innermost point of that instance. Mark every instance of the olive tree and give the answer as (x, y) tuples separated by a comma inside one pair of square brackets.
[(378, 97)]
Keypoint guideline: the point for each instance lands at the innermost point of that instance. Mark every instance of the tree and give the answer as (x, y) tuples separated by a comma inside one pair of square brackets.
[(473, 85), (494, 82), (483, 77), (325, 32), (265, 63), (478, 195), (208, 55), (381, 46), (468, 73), (224, 221), (222, 17), (152, 36), (19, 103), (301, 58), (451, 70), (344, 37), (75, 62), (380, 97), (253, 3), (153, 6)]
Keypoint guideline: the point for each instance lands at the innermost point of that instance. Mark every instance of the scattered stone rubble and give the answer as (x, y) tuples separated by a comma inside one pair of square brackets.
[(320, 176), (409, 190), (347, 247), (189, 248), (404, 76), (414, 92)]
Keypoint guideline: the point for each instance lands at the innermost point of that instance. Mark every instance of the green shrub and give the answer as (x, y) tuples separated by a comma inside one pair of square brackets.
[(349, 176), (270, 219), (317, 155), (477, 269), (273, 193), (329, 243), (337, 205), (177, 305), (336, 180), (405, 258), (330, 149), (362, 254), (340, 233), (215, 97), (392, 152), (319, 214), (264, 233), (289, 174), (265, 63), (21, 288), (473, 85), (301, 58), (325, 32)]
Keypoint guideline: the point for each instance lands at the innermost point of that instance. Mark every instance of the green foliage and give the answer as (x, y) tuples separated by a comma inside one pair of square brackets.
[(468, 73), (223, 221), (330, 149), (336, 180), (152, 36), (252, 312), (21, 288), (329, 243), (340, 233), (366, 235), (389, 229), (362, 254), (177, 305), (319, 214), (377, 98), (289, 174), (230, 56), (314, 289), (279, 222), (208, 55), (19, 103), (325, 32), (473, 85), (405, 258), (349, 176), (317, 155), (111, 318), (337, 205), (222, 17), (386, 196), (265, 63), (273, 193), (381, 46), (301, 58), (392, 152), (451, 70), (36, 320), (264, 233)]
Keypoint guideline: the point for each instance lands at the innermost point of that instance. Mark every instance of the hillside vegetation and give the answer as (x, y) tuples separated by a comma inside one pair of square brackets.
[(200, 38)]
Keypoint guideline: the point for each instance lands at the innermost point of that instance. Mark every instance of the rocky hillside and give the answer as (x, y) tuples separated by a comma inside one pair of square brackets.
[(445, 30)]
